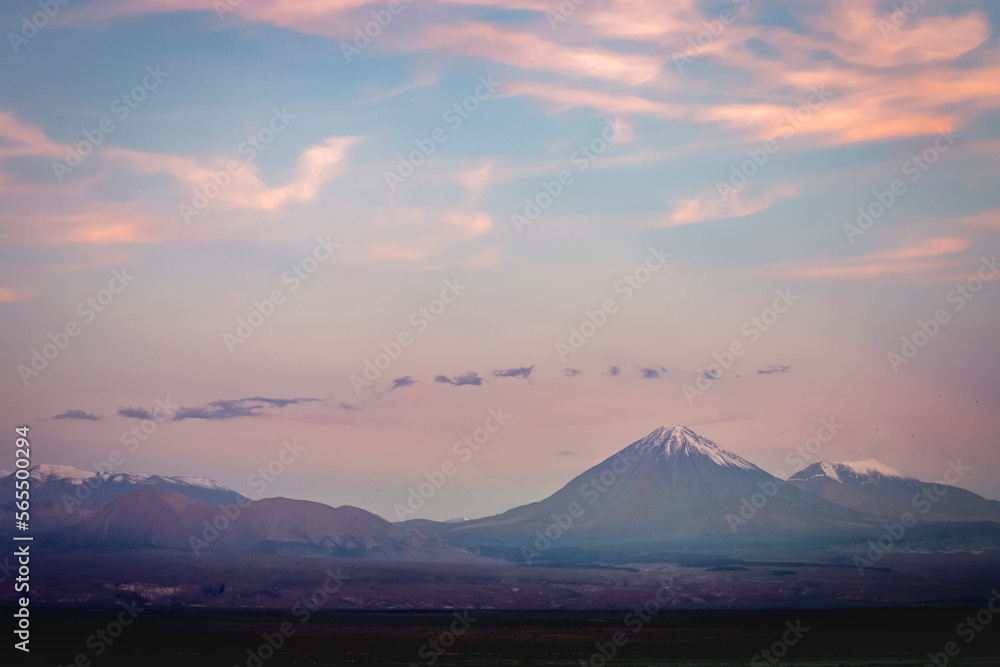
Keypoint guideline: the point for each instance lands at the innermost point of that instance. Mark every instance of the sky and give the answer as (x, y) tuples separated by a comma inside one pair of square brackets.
[(481, 245)]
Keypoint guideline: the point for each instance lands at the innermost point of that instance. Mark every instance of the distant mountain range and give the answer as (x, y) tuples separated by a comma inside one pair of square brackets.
[(672, 487), (145, 518), (63, 495), (672, 504)]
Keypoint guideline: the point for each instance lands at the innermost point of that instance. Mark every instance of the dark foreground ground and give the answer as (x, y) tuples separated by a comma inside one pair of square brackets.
[(188, 637)]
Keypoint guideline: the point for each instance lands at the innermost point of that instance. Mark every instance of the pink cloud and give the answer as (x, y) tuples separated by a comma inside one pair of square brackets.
[(13, 295), (918, 258), (559, 99), (896, 38), (418, 233), (20, 138), (317, 165), (711, 205), (316, 18), (532, 52)]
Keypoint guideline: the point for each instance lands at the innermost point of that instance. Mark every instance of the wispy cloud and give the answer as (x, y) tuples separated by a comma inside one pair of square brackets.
[(770, 369), (522, 372), (316, 165), (405, 381), (470, 378), (135, 413), (713, 205), (78, 414), (908, 259), (233, 409)]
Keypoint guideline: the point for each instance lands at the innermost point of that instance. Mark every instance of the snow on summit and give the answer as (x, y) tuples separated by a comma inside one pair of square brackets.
[(47, 472), (676, 440), (873, 468), (866, 470)]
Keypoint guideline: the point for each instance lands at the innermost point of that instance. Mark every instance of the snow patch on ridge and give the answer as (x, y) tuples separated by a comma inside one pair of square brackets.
[(868, 470), (44, 473), (872, 468)]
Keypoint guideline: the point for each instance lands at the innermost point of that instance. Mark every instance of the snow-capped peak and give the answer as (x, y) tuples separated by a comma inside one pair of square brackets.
[(676, 440), (203, 482), (45, 472), (873, 468), (867, 470)]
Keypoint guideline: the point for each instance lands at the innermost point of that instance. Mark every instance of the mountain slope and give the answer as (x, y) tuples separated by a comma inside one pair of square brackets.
[(135, 518), (147, 518), (672, 485), (62, 495), (873, 487), (298, 527)]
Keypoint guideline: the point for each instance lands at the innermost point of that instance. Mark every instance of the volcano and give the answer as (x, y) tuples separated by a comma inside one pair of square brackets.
[(671, 486), (877, 488)]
